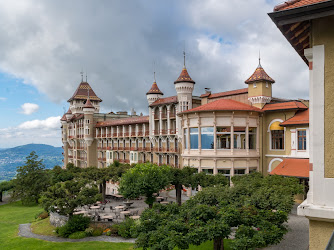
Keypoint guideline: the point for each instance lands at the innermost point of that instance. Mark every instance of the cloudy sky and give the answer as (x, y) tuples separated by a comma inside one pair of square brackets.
[(45, 45)]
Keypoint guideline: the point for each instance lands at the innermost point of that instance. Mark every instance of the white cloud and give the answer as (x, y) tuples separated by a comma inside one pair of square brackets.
[(36, 131), (3, 99), (29, 108), (47, 124)]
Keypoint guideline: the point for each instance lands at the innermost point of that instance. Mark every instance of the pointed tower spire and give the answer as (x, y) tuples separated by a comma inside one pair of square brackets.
[(259, 75)]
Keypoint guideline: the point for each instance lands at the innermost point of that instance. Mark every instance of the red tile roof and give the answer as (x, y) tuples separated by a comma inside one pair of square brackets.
[(259, 75), (154, 89), (293, 167), (124, 121), (224, 105), (227, 93), (81, 93), (295, 4), (170, 99), (300, 118), (69, 111), (184, 76), (63, 118), (284, 106), (88, 104)]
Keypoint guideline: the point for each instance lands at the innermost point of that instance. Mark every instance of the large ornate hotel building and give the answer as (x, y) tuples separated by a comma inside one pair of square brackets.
[(232, 133)]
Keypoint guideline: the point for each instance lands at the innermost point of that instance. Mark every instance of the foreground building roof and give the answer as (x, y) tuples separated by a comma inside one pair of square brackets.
[(296, 4), (81, 93), (293, 167), (124, 121), (224, 105), (300, 118), (284, 106)]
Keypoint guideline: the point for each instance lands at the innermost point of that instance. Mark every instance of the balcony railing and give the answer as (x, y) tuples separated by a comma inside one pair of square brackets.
[(164, 131), (114, 134), (171, 115), (126, 134), (133, 148), (163, 116), (172, 131), (102, 159), (133, 133)]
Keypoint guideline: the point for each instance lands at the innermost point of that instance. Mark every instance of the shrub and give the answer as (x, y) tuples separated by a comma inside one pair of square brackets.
[(89, 231), (75, 224), (128, 229), (114, 229), (42, 215), (108, 233), (77, 235), (97, 231)]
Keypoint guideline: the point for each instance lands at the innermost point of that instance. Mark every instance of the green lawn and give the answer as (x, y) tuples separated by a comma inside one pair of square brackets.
[(13, 214), (43, 227)]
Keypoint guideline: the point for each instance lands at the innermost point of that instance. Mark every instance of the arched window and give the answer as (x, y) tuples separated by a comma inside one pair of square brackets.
[(277, 135)]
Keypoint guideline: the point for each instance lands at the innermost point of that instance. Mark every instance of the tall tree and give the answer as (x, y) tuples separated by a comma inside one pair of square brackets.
[(257, 206), (64, 197), (31, 180), (145, 179)]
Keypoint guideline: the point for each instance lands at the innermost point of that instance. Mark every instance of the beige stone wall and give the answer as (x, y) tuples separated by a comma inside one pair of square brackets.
[(320, 233), (323, 33)]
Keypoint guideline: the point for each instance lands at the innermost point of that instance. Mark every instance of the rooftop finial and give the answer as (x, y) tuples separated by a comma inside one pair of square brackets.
[(86, 75), (259, 58), (154, 70), (81, 73)]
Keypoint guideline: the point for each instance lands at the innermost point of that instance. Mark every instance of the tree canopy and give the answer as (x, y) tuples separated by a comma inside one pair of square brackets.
[(144, 179), (31, 180), (64, 197), (257, 206)]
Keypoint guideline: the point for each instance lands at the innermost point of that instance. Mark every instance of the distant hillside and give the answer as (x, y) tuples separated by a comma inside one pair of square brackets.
[(11, 158)]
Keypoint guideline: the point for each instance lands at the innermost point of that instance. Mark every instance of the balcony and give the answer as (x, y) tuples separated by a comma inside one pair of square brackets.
[(114, 134), (127, 148), (172, 131), (133, 133), (164, 116), (156, 116), (163, 131), (108, 135), (108, 148), (101, 159), (172, 115), (70, 136), (134, 149)]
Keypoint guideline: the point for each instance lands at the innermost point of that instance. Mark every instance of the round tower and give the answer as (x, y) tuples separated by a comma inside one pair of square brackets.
[(88, 110), (259, 87), (184, 87), (154, 93)]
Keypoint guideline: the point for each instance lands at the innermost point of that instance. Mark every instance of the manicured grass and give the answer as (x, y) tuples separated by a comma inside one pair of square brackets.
[(43, 227), (11, 215)]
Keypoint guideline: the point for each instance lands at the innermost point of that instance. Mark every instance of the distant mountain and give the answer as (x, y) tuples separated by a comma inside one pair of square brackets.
[(11, 158)]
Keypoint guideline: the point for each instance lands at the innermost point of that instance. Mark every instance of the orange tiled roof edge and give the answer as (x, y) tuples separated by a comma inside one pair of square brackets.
[(226, 93), (81, 93), (166, 100), (295, 4), (259, 75)]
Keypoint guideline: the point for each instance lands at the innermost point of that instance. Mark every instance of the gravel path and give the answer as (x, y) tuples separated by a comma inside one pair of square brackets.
[(298, 236), (25, 231)]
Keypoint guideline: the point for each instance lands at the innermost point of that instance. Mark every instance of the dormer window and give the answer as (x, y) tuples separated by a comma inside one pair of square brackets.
[(254, 85), (267, 85)]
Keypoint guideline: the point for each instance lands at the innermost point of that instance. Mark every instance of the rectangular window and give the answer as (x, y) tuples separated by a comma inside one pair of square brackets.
[(252, 170), (186, 138), (301, 139), (252, 138), (239, 137), (277, 139), (193, 138), (223, 137), (207, 171), (239, 171), (225, 172), (207, 139)]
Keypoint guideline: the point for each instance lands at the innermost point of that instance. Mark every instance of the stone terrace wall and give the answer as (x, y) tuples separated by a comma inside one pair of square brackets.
[(58, 220)]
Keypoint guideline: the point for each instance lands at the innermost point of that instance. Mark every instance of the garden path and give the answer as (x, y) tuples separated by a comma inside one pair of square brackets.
[(25, 231)]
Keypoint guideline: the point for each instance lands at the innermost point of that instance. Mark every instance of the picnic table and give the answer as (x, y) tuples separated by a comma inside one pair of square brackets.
[(81, 212), (95, 207), (120, 207), (107, 217), (126, 213)]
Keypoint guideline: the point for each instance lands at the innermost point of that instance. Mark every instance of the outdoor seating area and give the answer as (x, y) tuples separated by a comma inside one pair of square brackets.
[(116, 208)]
